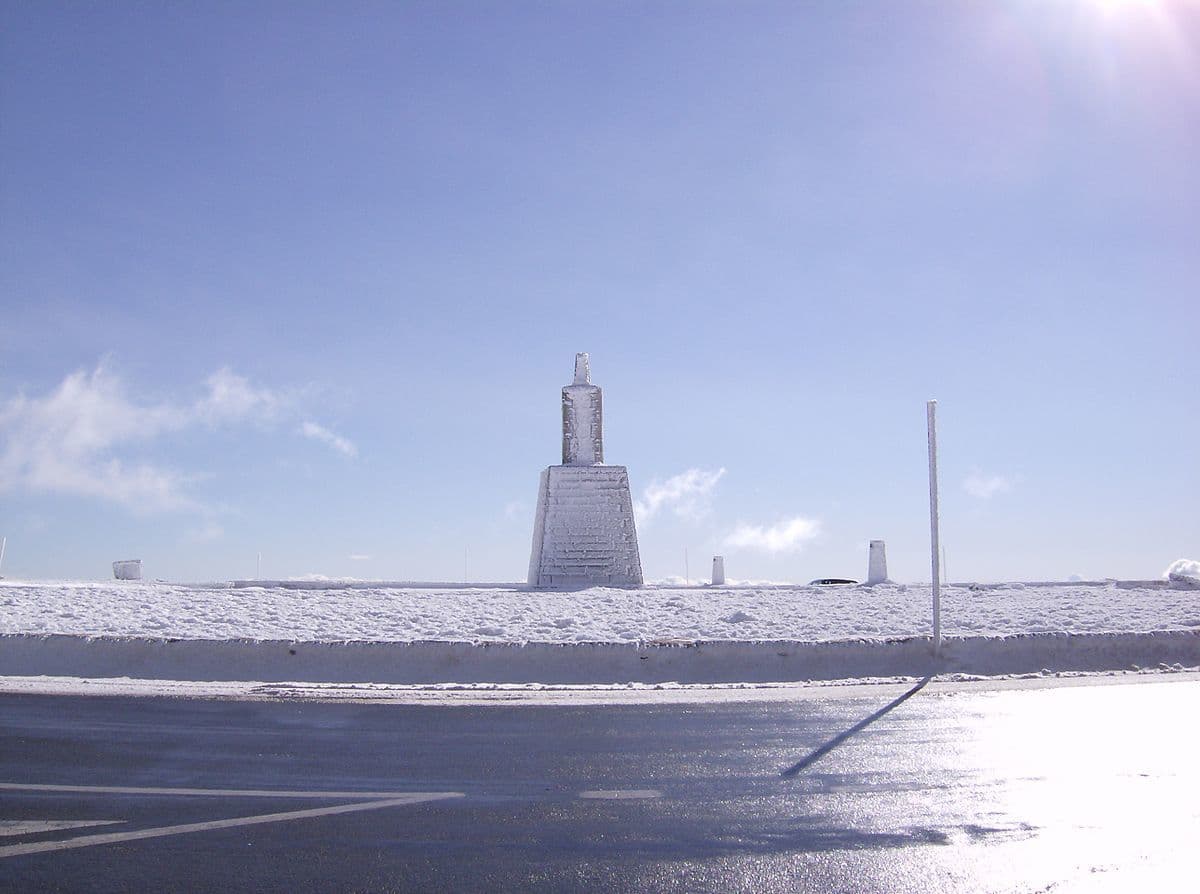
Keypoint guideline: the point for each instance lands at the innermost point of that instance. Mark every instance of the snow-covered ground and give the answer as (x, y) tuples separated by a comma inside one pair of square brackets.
[(513, 615)]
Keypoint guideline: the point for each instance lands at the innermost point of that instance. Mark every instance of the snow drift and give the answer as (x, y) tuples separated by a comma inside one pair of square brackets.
[(655, 634)]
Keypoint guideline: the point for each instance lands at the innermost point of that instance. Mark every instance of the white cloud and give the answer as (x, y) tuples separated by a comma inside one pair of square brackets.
[(325, 436), (359, 557), (65, 441), (986, 486), (84, 437), (514, 509), (788, 535), (232, 397), (688, 495)]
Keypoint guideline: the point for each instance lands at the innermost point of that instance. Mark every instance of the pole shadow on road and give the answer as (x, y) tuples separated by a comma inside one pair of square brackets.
[(841, 737)]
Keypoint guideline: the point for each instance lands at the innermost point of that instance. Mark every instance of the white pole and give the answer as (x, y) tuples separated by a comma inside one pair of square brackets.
[(931, 416), (3, 543), (687, 574), (258, 568)]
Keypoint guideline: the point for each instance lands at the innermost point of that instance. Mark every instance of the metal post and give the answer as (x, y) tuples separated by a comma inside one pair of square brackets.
[(931, 416)]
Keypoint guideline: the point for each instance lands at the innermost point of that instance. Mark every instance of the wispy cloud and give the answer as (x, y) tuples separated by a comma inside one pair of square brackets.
[(231, 397), (206, 533), (788, 535), (67, 440), (85, 437), (359, 557), (515, 509), (986, 486), (688, 495), (325, 436)]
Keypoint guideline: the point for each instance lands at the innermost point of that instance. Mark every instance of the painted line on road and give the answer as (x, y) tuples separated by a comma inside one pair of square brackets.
[(15, 850), (8, 828), (622, 794), (210, 792)]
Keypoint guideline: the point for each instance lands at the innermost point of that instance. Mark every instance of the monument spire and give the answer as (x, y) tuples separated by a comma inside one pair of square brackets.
[(583, 419)]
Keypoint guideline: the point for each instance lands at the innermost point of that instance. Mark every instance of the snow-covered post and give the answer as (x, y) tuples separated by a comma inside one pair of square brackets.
[(877, 563), (718, 575), (931, 418)]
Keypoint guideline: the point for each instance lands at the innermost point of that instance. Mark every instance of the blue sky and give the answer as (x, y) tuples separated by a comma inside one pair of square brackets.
[(306, 281)]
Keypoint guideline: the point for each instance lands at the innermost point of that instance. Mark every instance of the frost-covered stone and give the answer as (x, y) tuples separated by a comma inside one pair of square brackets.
[(583, 532), (128, 569), (1184, 573)]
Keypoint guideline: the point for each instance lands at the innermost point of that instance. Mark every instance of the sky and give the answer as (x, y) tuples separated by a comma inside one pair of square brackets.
[(303, 281)]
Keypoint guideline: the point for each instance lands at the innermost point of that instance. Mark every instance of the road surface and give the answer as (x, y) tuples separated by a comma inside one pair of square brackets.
[(1072, 788)]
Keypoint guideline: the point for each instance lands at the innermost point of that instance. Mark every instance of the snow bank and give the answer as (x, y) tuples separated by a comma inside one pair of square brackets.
[(597, 663), (408, 634), (511, 615)]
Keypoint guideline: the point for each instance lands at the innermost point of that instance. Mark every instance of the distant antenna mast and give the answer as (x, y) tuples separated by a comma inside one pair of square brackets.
[(258, 568), (3, 544), (687, 574)]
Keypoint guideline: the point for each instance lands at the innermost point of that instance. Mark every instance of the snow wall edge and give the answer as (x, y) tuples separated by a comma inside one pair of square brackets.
[(682, 662)]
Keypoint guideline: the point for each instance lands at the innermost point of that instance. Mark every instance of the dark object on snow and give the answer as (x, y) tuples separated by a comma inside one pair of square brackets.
[(830, 581)]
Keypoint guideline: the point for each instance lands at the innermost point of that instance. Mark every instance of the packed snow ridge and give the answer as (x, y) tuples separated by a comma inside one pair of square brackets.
[(598, 615)]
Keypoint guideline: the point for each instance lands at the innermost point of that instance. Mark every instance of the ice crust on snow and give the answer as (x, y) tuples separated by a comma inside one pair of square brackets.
[(599, 614)]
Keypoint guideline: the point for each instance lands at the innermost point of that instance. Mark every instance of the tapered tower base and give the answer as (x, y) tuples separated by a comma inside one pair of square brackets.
[(583, 534)]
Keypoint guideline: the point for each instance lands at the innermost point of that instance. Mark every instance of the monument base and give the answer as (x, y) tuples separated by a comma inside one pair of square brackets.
[(583, 534)]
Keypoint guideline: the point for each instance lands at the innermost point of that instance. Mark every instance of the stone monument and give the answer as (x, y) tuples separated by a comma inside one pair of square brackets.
[(583, 533)]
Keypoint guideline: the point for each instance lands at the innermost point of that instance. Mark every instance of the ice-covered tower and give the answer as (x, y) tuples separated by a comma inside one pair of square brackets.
[(583, 534), (583, 418)]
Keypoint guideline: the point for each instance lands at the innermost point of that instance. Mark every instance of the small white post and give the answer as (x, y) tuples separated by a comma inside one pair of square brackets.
[(877, 563), (3, 544), (931, 418), (718, 575)]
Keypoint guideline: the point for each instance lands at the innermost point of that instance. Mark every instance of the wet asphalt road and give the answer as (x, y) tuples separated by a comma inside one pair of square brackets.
[(1074, 788)]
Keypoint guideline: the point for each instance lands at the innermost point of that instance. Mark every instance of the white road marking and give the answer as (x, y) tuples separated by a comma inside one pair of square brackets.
[(14, 850), (29, 827), (218, 792), (622, 794)]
